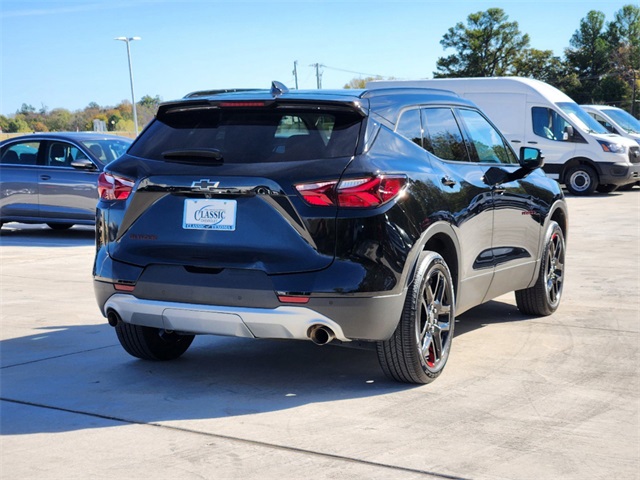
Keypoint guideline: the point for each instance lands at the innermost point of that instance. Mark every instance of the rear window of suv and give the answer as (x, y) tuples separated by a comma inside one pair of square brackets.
[(252, 135)]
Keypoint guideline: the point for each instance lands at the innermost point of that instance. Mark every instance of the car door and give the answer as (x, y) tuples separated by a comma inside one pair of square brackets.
[(19, 181), (66, 193), (468, 199), (517, 211)]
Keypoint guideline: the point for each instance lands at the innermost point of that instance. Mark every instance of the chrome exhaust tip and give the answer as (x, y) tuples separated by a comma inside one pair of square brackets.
[(320, 335), (113, 318)]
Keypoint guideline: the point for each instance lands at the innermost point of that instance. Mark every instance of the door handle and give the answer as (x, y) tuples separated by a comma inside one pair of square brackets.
[(533, 143), (45, 177), (448, 181)]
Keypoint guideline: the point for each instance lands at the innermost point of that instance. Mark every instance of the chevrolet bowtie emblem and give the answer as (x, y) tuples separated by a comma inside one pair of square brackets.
[(205, 184)]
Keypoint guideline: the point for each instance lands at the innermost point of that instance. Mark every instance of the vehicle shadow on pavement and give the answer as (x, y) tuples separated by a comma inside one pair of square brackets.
[(84, 370), (489, 313), (21, 235)]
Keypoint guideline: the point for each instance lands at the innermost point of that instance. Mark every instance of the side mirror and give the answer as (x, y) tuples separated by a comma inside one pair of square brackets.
[(531, 158), (83, 164), (568, 133)]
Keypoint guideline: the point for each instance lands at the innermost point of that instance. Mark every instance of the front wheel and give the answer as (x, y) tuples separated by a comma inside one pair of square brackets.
[(419, 348), (581, 180), (543, 298), (150, 343)]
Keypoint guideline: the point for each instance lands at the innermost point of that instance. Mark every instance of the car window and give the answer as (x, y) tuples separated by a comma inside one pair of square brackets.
[(245, 135), (548, 124), (410, 126), (485, 139), (602, 122), (61, 154), (22, 153), (108, 150), (442, 135)]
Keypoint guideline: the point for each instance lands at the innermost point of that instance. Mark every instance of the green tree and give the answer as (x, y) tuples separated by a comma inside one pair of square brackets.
[(623, 34), (589, 56), (359, 82), (539, 64), (59, 120), (487, 46), (18, 124)]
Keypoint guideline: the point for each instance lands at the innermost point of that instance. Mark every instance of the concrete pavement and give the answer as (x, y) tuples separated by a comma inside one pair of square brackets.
[(521, 397)]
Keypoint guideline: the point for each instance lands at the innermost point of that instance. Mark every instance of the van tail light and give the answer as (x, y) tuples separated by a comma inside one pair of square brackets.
[(353, 192), (113, 187)]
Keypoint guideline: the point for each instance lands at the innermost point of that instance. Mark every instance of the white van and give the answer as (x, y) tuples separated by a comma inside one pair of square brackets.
[(615, 120), (578, 151)]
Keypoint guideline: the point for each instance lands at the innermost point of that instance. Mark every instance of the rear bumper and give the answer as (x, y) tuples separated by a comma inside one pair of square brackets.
[(354, 318), (283, 322)]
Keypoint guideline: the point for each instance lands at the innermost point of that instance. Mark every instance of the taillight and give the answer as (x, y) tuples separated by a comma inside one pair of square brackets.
[(354, 192), (113, 187)]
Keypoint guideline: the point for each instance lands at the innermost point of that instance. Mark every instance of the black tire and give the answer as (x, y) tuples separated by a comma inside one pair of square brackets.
[(419, 348), (544, 297), (150, 343), (581, 180), (606, 188), (60, 226)]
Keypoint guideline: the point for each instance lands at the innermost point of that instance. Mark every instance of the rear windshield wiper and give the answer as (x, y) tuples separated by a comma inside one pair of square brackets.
[(195, 155)]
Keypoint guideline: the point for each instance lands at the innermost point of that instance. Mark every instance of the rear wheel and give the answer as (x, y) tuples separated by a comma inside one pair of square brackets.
[(151, 343), (581, 180), (544, 297), (419, 348)]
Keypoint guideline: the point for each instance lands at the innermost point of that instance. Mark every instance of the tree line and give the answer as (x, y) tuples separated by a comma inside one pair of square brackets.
[(118, 118), (601, 65)]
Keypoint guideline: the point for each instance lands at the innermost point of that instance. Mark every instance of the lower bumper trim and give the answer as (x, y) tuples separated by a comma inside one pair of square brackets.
[(285, 322)]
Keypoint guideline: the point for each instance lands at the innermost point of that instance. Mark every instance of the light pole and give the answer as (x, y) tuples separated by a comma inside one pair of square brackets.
[(133, 97)]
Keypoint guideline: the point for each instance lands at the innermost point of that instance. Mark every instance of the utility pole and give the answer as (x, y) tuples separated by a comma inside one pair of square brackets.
[(127, 40), (295, 72), (318, 74)]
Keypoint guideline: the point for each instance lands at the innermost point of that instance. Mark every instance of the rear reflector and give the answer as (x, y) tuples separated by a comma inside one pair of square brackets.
[(124, 288), (292, 299), (353, 192)]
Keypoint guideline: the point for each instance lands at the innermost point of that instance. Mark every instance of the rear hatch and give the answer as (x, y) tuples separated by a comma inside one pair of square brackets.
[(216, 185)]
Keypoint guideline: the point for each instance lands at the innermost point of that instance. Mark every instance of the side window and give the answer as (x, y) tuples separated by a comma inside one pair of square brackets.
[(487, 142), (548, 124), (442, 135), (61, 154), (409, 126), (603, 122), (24, 153)]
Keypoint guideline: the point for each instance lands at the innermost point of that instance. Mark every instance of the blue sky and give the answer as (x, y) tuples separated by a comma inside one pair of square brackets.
[(62, 53)]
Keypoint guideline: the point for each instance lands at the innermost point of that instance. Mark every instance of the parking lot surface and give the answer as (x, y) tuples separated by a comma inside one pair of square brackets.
[(521, 397)]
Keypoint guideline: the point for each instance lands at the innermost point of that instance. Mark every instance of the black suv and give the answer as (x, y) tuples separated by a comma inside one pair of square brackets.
[(336, 216)]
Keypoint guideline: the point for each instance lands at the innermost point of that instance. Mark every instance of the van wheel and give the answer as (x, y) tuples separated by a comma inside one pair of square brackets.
[(581, 180), (150, 343), (544, 297), (419, 348)]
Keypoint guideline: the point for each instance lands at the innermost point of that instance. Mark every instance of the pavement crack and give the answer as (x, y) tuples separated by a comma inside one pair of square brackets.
[(56, 356), (245, 441)]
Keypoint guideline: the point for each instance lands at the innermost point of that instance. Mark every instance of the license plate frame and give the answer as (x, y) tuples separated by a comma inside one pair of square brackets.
[(209, 214)]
